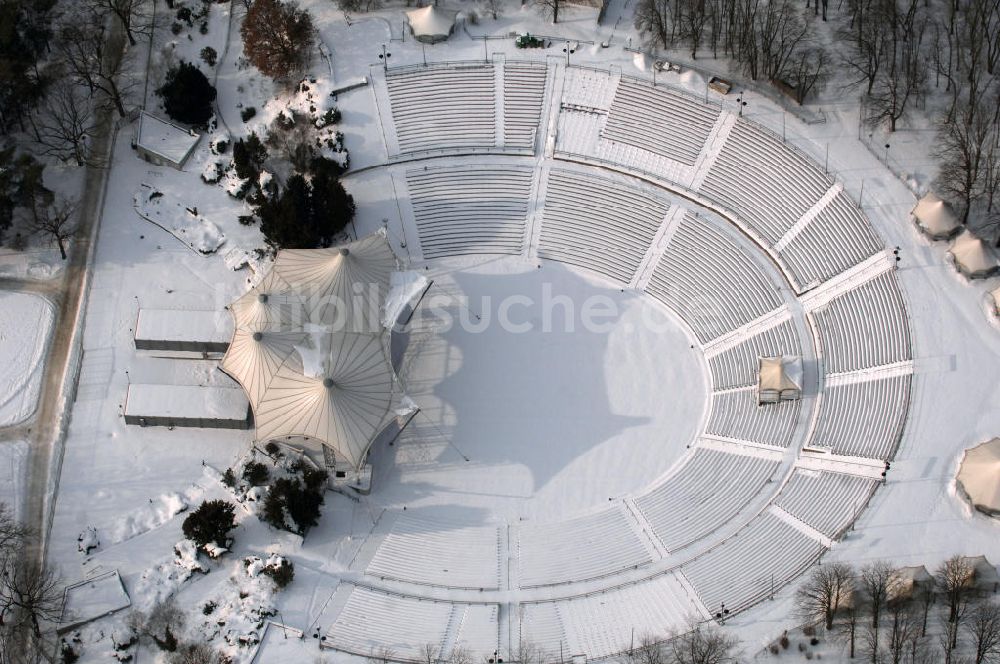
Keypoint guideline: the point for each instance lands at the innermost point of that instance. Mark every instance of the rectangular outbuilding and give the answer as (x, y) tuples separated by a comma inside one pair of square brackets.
[(183, 331), (187, 406), (164, 143)]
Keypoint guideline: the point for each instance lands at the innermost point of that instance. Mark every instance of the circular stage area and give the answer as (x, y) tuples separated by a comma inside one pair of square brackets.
[(544, 392)]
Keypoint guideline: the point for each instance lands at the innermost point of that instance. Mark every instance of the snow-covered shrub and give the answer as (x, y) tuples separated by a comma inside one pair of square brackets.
[(210, 56), (212, 172), (248, 113), (282, 573)]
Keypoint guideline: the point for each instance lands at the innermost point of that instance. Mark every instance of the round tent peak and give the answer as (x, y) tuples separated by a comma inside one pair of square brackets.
[(262, 298), (327, 383), (344, 251), (258, 336)]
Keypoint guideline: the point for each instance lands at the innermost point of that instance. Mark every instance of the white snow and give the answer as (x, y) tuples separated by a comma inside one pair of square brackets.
[(25, 325), (184, 325), (543, 428), (94, 598), (186, 401), (404, 287), (182, 222), (165, 139)]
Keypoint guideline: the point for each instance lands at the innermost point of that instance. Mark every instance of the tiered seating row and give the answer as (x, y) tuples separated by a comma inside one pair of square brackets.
[(829, 502), (767, 184), (440, 554), (736, 414), (759, 559), (463, 210), (838, 238), (710, 281), (863, 419), (711, 488), (603, 624), (577, 549), (659, 120), (588, 88), (598, 224), (377, 622), (443, 107), (864, 327), (739, 366), (523, 94)]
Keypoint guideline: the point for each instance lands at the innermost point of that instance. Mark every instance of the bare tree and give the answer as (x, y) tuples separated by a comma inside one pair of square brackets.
[(847, 624), (654, 18), (649, 651), (865, 36), (983, 631), (493, 8), (703, 645), (460, 655), (29, 596), (58, 223), (808, 69), (905, 72), (904, 623), (549, 8), (196, 653), (131, 14), (824, 592), (64, 122), (955, 584), (875, 579), (430, 653), (91, 58)]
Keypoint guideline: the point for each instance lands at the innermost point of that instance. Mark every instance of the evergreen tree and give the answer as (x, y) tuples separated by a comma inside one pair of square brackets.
[(211, 522), (286, 219), (248, 157), (187, 95), (333, 208)]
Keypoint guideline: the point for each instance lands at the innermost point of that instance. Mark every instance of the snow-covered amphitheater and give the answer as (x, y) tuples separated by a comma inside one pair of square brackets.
[(579, 490)]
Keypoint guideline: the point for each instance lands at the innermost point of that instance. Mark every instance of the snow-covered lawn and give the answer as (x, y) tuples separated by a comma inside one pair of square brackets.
[(25, 326)]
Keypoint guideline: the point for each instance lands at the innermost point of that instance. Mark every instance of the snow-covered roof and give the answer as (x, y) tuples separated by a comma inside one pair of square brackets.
[(979, 476), (935, 217), (186, 402), (431, 22), (309, 346), (972, 256), (165, 139), (184, 325)]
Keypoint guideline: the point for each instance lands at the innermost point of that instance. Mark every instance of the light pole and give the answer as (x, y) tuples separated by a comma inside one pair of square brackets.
[(741, 102), (384, 57), (423, 52), (887, 155), (568, 51)]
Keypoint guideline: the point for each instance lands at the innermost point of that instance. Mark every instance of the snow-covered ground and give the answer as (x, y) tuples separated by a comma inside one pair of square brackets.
[(538, 426), (25, 326)]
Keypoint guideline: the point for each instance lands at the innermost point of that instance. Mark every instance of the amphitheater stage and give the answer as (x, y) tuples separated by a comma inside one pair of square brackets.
[(538, 395)]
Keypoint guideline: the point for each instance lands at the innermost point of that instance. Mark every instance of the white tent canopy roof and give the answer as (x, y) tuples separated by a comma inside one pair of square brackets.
[(935, 217), (431, 22), (309, 350), (979, 476), (775, 374), (341, 284), (344, 407), (972, 257)]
